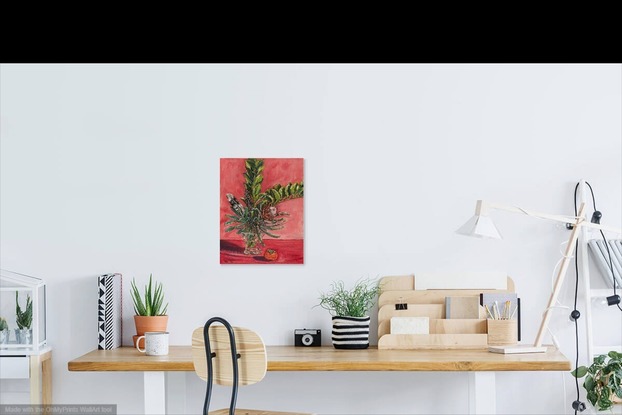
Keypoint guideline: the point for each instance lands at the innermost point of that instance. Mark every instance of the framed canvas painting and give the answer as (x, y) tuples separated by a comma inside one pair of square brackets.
[(261, 211)]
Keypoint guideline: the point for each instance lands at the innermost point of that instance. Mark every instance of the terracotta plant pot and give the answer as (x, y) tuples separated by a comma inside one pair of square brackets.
[(148, 323)]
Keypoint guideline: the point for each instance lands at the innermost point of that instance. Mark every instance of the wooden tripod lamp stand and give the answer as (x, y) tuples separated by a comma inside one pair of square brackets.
[(481, 225)]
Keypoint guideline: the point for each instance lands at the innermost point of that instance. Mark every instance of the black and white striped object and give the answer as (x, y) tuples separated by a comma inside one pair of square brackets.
[(350, 332), (109, 311)]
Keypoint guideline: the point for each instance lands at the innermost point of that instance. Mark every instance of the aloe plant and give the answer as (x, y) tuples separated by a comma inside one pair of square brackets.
[(3, 324), (151, 303), (23, 318), (258, 214)]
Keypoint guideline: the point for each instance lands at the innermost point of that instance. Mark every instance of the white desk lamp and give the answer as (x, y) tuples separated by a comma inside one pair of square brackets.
[(481, 225)]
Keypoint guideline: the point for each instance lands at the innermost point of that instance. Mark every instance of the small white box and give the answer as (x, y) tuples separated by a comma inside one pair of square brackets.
[(410, 325)]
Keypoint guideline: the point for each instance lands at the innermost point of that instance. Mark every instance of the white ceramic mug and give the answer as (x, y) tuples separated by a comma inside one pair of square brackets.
[(156, 343)]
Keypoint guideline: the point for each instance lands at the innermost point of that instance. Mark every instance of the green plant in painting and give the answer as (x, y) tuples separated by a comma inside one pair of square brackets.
[(355, 302), (23, 318), (603, 381), (151, 303), (258, 215)]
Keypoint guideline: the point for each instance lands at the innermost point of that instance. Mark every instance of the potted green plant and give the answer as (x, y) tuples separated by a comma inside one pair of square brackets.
[(149, 308), (4, 331), (350, 309), (603, 381), (23, 332)]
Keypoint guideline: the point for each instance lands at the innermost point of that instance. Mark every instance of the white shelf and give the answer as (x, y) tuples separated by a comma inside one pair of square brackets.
[(24, 351), (603, 292)]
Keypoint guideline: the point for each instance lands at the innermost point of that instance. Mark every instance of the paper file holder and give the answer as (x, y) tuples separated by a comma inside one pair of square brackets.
[(459, 333)]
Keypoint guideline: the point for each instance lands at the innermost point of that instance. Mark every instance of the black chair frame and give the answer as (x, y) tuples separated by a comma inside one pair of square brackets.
[(210, 355)]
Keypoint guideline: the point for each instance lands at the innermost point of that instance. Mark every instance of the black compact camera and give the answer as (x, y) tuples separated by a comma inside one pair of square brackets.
[(307, 337)]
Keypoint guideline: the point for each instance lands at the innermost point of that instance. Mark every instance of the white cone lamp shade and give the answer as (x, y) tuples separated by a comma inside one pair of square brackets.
[(480, 226)]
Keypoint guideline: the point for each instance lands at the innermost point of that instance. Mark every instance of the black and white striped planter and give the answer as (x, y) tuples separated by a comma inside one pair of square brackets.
[(350, 332)]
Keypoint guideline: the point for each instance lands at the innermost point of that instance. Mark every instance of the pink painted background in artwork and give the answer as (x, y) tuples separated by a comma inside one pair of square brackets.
[(276, 170)]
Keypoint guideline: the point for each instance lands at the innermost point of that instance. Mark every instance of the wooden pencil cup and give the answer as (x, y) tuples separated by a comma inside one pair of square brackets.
[(502, 332)]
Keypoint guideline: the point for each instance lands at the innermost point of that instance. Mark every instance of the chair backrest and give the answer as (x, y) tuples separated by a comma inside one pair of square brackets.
[(252, 364)]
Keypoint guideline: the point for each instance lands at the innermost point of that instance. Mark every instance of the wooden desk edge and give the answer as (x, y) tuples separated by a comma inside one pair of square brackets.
[(180, 360)]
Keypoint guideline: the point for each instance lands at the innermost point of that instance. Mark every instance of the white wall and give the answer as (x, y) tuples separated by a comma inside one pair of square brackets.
[(110, 168)]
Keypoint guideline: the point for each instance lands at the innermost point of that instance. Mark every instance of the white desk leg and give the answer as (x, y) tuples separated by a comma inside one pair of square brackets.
[(154, 391), (482, 393), (176, 392)]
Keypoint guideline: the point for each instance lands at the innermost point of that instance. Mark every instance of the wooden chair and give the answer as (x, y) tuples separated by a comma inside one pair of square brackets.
[(229, 356)]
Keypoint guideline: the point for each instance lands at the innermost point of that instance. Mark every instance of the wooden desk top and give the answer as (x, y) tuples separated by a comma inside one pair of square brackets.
[(327, 358)]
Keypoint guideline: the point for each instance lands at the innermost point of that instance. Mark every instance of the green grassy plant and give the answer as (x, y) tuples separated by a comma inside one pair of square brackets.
[(355, 302)]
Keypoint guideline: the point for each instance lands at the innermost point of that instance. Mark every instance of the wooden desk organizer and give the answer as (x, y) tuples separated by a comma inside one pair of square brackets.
[(426, 298), (502, 332)]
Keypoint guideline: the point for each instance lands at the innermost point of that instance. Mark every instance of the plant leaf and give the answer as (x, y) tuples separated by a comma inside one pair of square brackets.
[(139, 306), (592, 396), (604, 402), (579, 372), (148, 299)]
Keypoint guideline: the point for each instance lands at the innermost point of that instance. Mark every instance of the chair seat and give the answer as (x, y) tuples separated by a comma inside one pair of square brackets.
[(239, 411)]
